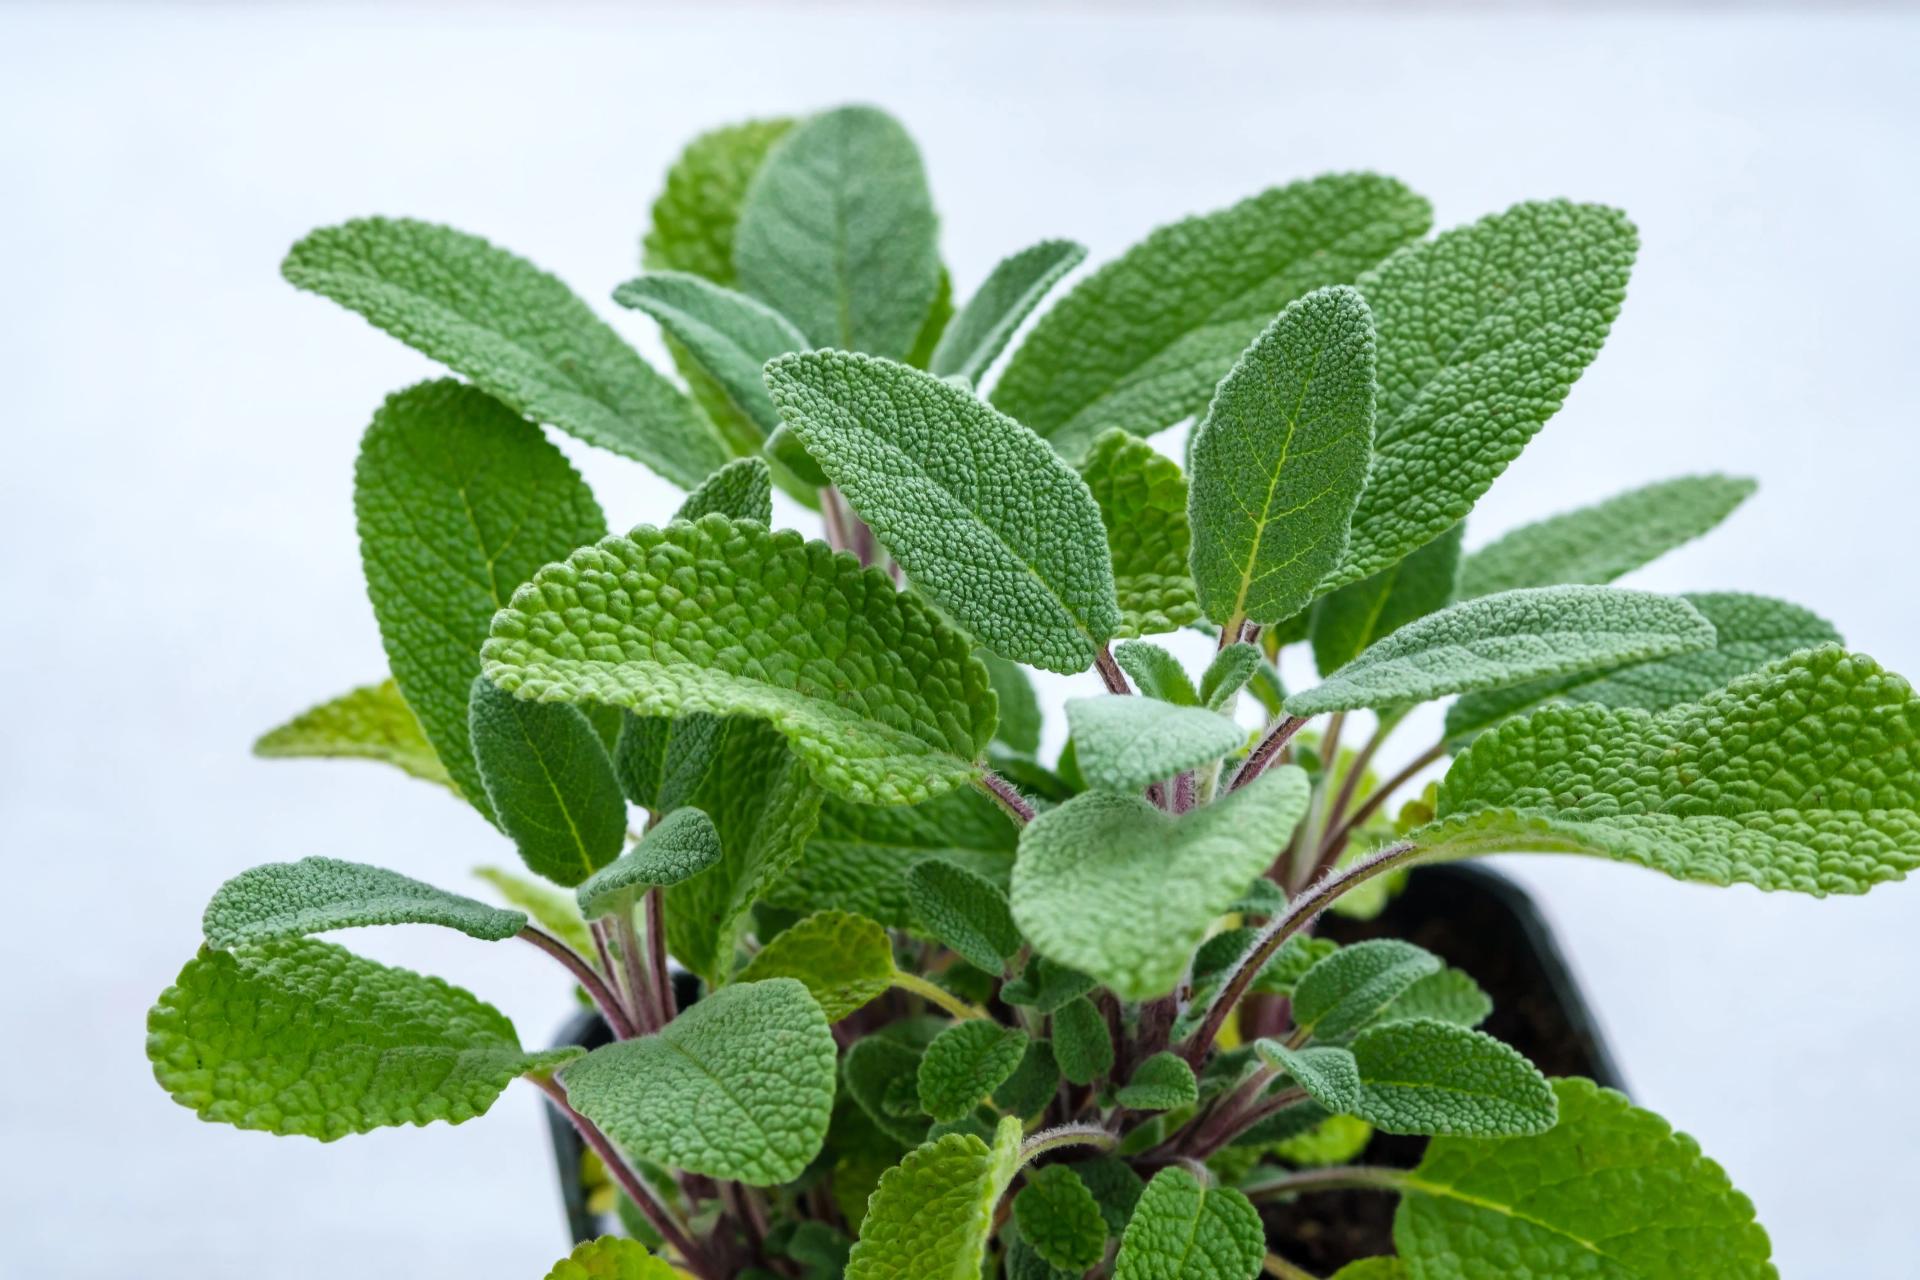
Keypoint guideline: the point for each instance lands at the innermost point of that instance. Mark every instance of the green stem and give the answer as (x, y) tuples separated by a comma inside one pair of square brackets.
[(933, 993), (1066, 1135), (1350, 1177), (1278, 1266)]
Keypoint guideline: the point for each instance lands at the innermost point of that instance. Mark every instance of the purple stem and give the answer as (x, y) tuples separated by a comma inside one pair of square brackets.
[(583, 973)]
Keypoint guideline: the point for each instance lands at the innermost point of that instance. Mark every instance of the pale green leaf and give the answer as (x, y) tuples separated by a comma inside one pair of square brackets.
[(696, 212), (934, 327), (1156, 673), (845, 960), (741, 490), (1008, 295), (1449, 995), (1181, 1230), (1082, 1041), (729, 335), (1123, 742), (932, 1215), (1143, 505), (967, 913), (611, 1258), (739, 1086), (372, 722), (1227, 675), (1345, 622), (1060, 1220), (1019, 724), (314, 895), (982, 515), (550, 783), (556, 912), (1326, 1072), (1163, 1082), (964, 1064), (678, 847), (1335, 1140), (1353, 986), (1422, 1075), (1382, 1268)]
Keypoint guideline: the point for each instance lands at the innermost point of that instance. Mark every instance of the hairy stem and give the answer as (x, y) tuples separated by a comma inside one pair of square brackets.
[(1338, 837), (1066, 1135), (1003, 793), (590, 981), (1277, 735), (1350, 1177), (1361, 759), (934, 993)]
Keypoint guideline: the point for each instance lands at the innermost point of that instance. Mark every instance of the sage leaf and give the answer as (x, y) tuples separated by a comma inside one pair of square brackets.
[(1060, 1220), (1082, 1041), (315, 895), (729, 335), (1011, 291), (1350, 988), (1124, 743), (1143, 505), (550, 783), (1163, 1082), (682, 845), (1422, 1075), (1156, 673), (964, 1064), (932, 1214), (1326, 1072), (845, 960), (1181, 1230), (611, 1258), (965, 912), (372, 722)]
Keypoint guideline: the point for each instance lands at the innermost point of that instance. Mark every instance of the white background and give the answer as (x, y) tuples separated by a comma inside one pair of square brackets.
[(179, 570)]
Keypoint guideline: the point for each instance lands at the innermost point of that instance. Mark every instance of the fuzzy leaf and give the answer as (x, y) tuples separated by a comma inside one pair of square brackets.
[(876, 1065), (837, 233), (1183, 1231), (1020, 721), (1606, 540), (1143, 504), (550, 783), (1327, 1073), (1033, 1083), (1354, 985), (1156, 673), (611, 1258), (1482, 331), (552, 910), (1140, 343), (519, 334), (1423, 1075), (880, 698), (314, 895), (679, 847), (1113, 886), (1227, 675), (1082, 1042), (372, 722), (1449, 995), (983, 516), (297, 1036), (1347, 621), (1804, 775), (1123, 742), (1508, 638), (729, 335), (1280, 460), (1044, 986), (739, 1086), (965, 912), (1008, 295), (932, 1214), (845, 960), (1163, 1082), (1060, 1220), (964, 1064), (741, 490), (695, 214)]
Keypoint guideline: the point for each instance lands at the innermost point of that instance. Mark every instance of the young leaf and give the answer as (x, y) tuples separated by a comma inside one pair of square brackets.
[(881, 699), (1449, 995), (1143, 504), (932, 1214), (877, 1064), (1163, 1082), (695, 214), (297, 1036), (729, 335), (965, 912), (1008, 295), (739, 1086), (1610, 1189), (837, 233), (1354, 985), (934, 327), (550, 783), (1426, 1076), (1606, 540), (1033, 1083), (1019, 725), (314, 895), (1347, 621), (518, 333), (1183, 1231), (556, 912), (845, 960), (1227, 675), (1382, 1268), (1140, 343), (372, 722), (1060, 1220), (1327, 1073), (1804, 775), (982, 515), (1156, 673), (611, 1258), (679, 847), (964, 1064), (1082, 1043), (1044, 986), (1508, 638), (1481, 333), (1124, 743), (1113, 886), (458, 499), (1280, 460)]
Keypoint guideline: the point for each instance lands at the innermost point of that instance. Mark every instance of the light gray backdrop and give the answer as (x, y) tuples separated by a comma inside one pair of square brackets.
[(180, 570)]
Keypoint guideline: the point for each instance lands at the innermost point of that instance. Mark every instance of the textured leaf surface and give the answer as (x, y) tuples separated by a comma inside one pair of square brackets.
[(1610, 1191), (552, 910), (1163, 1082), (1082, 1042), (1008, 295), (372, 722), (1427, 1076), (1060, 1220), (611, 1258), (1449, 995), (932, 1214), (679, 847), (880, 698), (965, 1063), (1143, 505), (1355, 984), (964, 911), (837, 233), (1227, 674), (1601, 542), (1481, 333), (741, 490), (1156, 673), (845, 960), (1033, 1083), (1804, 775), (1508, 638), (1345, 622), (729, 335), (878, 1066), (1327, 1073), (1123, 742), (696, 212), (302, 1037), (1183, 1231), (1044, 985), (1280, 459), (982, 515), (1115, 887), (549, 781), (314, 895), (1140, 343), (1020, 720), (739, 1086), (519, 334), (458, 500)]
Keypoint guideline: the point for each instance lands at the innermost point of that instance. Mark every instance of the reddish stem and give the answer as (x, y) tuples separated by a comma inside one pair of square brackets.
[(584, 974)]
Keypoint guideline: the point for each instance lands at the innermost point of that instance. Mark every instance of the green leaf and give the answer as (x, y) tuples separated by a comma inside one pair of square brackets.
[(611, 1258), (1508, 638), (965, 912), (695, 214), (458, 500), (1327, 1073), (1156, 673), (739, 1086), (1019, 725), (550, 783), (519, 334), (1140, 343), (1482, 331), (1124, 743), (1113, 886), (1183, 1231), (661, 761), (1082, 1042), (932, 1215), (741, 490), (314, 895), (1280, 460), (837, 233), (1033, 1083), (1008, 295), (1606, 540), (1449, 995), (1347, 621), (1749, 632), (1163, 1082), (1227, 675), (1426, 1076), (1610, 1190), (680, 846), (1060, 1220), (729, 335), (1353, 986), (845, 960), (552, 910), (934, 327), (1044, 985), (1383, 1268), (1115, 1186), (964, 1064), (1335, 1140), (983, 516), (1804, 775), (372, 722), (874, 1067), (880, 698), (1143, 505), (297, 1036)]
